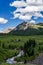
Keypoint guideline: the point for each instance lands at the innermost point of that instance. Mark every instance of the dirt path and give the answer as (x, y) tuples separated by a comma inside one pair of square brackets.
[(38, 60)]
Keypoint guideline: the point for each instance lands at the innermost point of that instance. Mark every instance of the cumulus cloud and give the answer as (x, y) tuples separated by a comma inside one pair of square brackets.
[(25, 17), (18, 4), (26, 9), (1, 31), (32, 21), (34, 2), (3, 20)]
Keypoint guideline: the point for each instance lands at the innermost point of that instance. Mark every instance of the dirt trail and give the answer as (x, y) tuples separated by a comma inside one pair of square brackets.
[(38, 60)]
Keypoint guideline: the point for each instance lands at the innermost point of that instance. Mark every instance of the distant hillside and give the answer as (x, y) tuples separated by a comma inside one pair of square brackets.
[(7, 30), (26, 28), (40, 24)]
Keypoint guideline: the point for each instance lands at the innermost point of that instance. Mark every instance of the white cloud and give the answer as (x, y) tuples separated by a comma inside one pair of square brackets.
[(18, 4), (1, 31), (25, 17), (32, 21), (3, 21), (34, 1), (38, 14), (16, 15), (32, 8)]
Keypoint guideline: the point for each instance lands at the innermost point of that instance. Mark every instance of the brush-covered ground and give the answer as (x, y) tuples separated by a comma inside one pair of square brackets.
[(10, 46), (16, 64)]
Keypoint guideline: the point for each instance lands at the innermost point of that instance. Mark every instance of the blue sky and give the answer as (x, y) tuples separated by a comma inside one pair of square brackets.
[(5, 12), (8, 13)]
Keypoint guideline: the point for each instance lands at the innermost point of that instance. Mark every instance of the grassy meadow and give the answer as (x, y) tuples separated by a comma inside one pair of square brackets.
[(16, 64), (9, 43)]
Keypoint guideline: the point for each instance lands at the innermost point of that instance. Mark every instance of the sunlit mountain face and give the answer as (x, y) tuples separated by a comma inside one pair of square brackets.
[(25, 28)]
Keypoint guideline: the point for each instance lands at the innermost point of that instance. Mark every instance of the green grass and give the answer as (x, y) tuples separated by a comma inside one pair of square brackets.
[(16, 64), (11, 42), (13, 39), (7, 53)]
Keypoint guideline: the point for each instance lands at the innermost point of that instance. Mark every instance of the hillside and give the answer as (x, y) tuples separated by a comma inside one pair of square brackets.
[(7, 30), (26, 28), (40, 24)]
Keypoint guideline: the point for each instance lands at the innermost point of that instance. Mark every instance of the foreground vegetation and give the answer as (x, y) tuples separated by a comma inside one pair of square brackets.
[(16, 64), (10, 46)]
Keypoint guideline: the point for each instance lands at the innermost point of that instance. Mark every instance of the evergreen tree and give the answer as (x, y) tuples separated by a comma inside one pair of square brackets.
[(29, 47)]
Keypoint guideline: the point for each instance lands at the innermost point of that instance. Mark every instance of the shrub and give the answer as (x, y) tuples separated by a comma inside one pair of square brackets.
[(29, 47)]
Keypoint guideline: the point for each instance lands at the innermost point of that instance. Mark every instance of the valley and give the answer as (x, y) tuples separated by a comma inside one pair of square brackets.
[(11, 45)]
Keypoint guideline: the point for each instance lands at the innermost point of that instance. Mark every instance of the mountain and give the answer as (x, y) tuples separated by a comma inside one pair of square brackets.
[(6, 31), (26, 28), (40, 24)]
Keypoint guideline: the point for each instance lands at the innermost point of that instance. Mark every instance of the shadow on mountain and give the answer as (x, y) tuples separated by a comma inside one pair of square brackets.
[(28, 31)]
